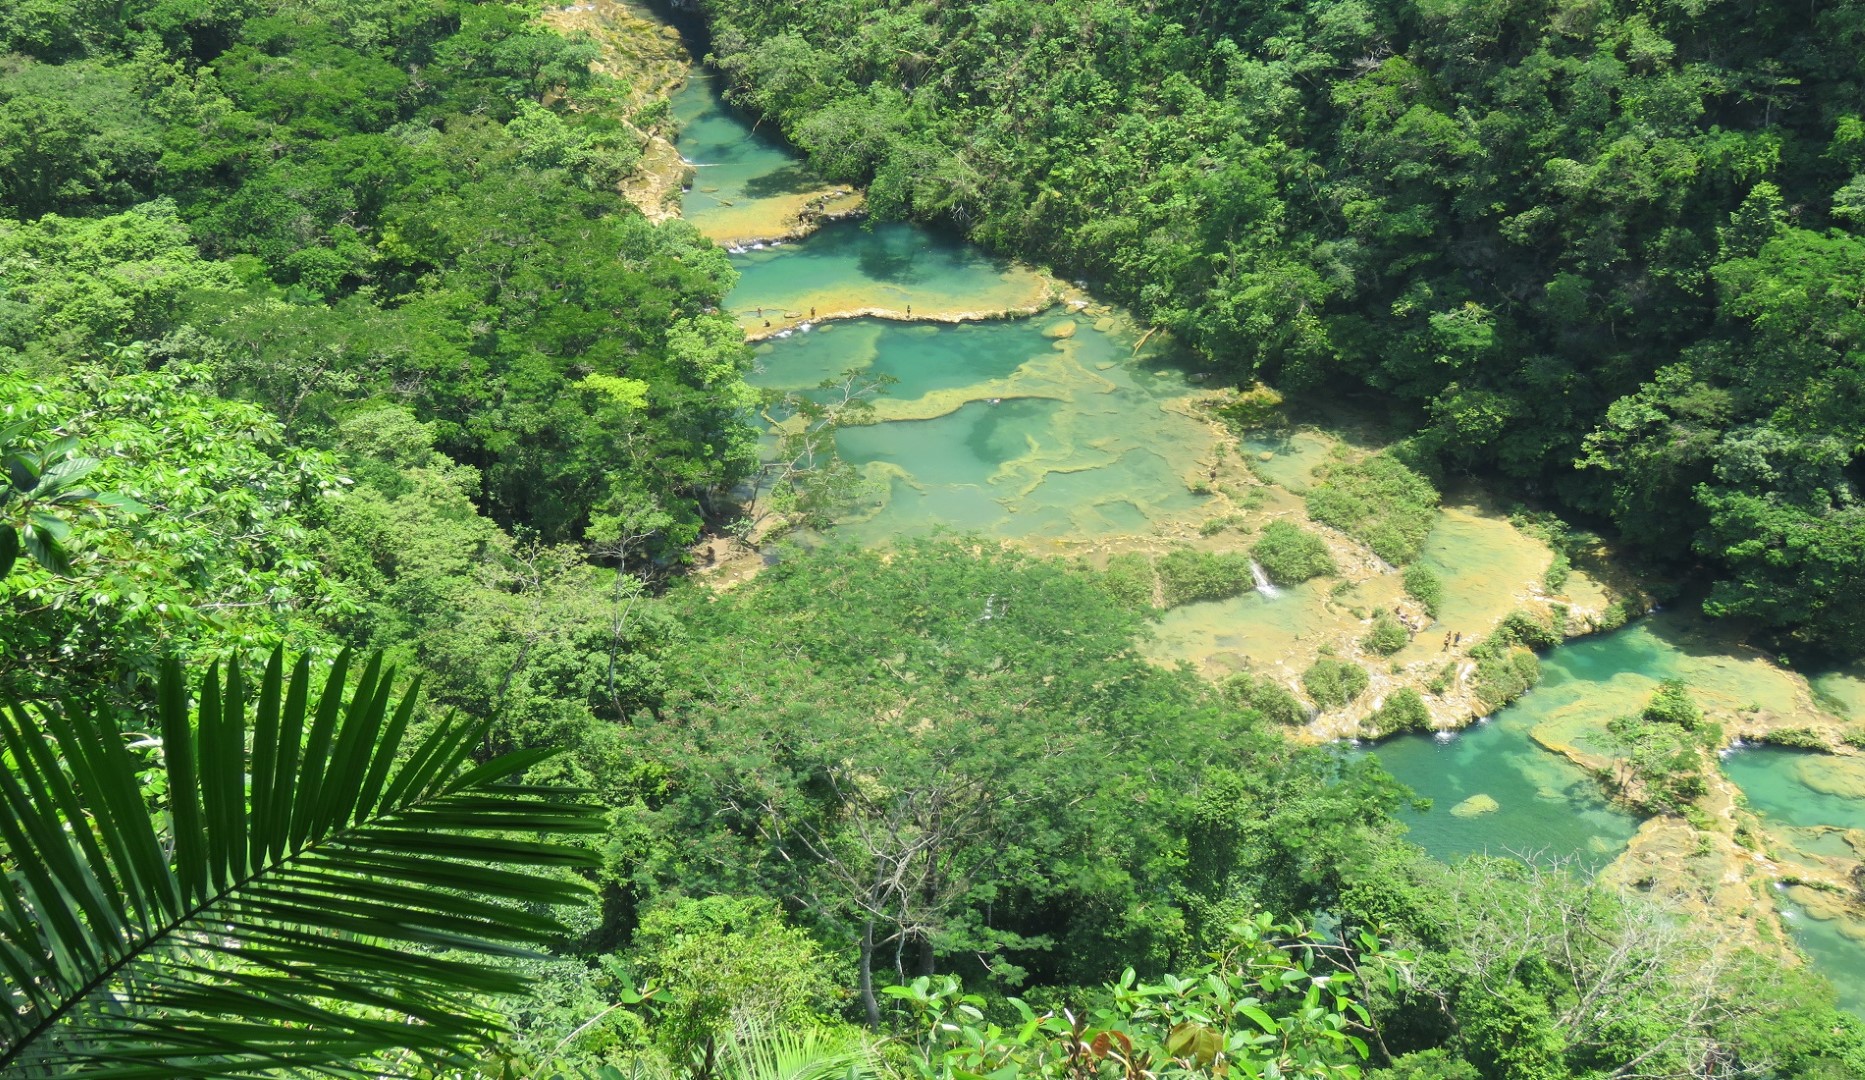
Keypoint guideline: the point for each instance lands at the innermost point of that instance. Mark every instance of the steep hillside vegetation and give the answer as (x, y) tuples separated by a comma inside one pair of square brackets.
[(1610, 251)]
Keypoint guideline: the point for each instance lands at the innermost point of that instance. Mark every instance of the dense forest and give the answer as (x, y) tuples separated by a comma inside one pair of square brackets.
[(1611, 252), (323, 328)]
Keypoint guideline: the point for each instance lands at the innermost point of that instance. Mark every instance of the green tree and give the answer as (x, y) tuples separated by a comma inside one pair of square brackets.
[(1291, 555)]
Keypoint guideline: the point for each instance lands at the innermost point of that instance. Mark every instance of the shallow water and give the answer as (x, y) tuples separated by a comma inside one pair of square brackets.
[(997, 428), (1584, 684), (1843, 691), (1290, 458), (1802, 795), (1487, 566), (1547, 807), (851, 268), (745, 181)]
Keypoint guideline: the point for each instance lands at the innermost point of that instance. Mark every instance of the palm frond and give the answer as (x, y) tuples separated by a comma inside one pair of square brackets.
[(759, 1052), (292, 914)]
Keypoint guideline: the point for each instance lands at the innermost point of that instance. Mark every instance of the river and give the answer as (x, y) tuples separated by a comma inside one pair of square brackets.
[(1059, 426)]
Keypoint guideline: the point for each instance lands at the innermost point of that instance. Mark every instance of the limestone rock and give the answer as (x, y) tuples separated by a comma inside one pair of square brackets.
[(1475, 806)]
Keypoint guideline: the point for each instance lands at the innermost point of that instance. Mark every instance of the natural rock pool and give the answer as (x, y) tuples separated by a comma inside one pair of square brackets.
[(1068, 431)]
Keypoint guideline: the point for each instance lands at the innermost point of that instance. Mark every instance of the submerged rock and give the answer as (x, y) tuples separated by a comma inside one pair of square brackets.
[(1475, 806), (1062, 328)]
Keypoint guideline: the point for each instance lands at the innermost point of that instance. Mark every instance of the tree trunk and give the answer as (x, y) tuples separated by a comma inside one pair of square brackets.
[(926, 956), (868, 1004)]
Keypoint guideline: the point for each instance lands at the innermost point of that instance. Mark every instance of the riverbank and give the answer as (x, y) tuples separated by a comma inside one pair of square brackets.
[(648, 57), (1077, 434)]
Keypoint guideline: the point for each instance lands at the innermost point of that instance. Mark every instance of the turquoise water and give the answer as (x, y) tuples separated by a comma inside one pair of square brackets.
[(997, 428), (735, 163), (1547, 803), (1547, 807), (1775, 780), (923, 357), (1805, 798), (1839, 957), (851, 268)]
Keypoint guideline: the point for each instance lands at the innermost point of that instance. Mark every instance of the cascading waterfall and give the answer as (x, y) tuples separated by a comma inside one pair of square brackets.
[(1263, 584)]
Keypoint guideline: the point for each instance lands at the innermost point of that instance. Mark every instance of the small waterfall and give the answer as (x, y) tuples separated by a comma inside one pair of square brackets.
[(1263, 584)]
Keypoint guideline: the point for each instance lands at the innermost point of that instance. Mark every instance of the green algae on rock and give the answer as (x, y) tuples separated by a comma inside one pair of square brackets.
[(1476, 806)]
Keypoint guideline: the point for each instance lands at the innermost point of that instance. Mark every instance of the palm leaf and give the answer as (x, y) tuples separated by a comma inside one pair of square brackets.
[(295, 913), (760, 1052)]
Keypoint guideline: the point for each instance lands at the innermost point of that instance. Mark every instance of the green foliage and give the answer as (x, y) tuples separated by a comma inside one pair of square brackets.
[(1261, 1009), (68, 286), (1504, 674), (721, 964), (1187, 575), (1265, 696), (1671, 703), (1387, 636), (1434, 1064), (1290, 554), (1513, 1033), (1403, 710), (1424, 586), (1131, 580), (1663, 771), (211, 542), (1801, 738), (452, 242), (1334, 683), (300, 894), (1380, 503), (1505, 946), (1439, 202), (1520, 629), (40, 494), (758, 1052), (948, 708)]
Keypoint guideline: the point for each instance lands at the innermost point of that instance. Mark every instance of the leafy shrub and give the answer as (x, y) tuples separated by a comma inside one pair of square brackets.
[(1520, 628), (1435, 1064), (1664, 770), (1800, 738), (1380, 503), (1290, 554), (1187, 576), (721, 960), (1558, 572), (1388, 636), (1334, 683), (1671, 704), (1618, 613), (1266, 697), (1403, 710), (1504, 675), (1131, 580), (1424, 586)]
